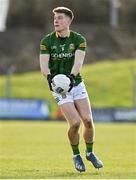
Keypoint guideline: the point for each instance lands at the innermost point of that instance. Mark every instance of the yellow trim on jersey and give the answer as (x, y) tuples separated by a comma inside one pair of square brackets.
[(82, 45), (43, 47), (58, 34)]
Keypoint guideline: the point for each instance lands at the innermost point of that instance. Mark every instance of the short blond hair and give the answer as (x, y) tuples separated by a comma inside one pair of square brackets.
[(64, 10)]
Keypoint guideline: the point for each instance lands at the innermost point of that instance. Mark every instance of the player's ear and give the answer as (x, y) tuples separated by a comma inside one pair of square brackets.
[(69, 21)]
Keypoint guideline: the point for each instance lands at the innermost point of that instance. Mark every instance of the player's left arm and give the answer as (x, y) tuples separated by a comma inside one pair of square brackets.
[(79, 59), (79, 55)]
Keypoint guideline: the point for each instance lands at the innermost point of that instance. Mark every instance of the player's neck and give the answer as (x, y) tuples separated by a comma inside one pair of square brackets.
[(64, 33)]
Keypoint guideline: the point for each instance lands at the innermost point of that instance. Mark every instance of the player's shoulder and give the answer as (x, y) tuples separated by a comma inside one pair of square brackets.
[(47, 36), (77, 35)]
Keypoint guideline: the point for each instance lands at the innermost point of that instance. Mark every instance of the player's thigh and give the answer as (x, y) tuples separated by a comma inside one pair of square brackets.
[(84, 109), (71, 114)]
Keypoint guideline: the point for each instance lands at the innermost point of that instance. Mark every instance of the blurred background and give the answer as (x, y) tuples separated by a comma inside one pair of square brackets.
[(108, 25), (110, 64), (33, 138)]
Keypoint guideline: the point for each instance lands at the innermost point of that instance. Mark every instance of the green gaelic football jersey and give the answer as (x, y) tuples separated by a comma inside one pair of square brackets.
[(62, 52)]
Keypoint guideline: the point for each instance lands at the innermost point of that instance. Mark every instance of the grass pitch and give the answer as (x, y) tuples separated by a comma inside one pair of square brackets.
[(41, 150)]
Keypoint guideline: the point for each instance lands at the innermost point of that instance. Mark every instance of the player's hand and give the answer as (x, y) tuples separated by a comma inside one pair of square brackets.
[(49, 79), (72, 81)]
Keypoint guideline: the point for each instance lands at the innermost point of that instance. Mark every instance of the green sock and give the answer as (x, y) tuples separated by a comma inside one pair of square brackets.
[(75, 149), (89, 147)]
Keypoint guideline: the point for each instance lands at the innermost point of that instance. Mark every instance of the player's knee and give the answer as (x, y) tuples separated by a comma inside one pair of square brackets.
[(75, 126), (88, 123)]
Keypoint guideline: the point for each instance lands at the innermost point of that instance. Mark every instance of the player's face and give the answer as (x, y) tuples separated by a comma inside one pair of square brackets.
[(61, 22)]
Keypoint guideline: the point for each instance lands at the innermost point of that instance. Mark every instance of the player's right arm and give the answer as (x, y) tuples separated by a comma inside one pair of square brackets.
[(44, 60), (44, 56)]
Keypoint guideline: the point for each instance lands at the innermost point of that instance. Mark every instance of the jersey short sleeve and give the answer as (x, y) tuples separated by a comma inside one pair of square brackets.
[(81, 43), (44, 46)]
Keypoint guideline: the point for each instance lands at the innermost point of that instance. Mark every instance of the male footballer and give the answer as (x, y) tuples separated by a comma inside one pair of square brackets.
[(62, 52)]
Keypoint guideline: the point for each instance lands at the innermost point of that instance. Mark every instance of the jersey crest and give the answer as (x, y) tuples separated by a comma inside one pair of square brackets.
[(72, 46)]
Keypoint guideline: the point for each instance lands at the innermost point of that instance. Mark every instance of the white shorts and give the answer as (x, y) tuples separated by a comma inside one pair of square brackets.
[(77, 92)]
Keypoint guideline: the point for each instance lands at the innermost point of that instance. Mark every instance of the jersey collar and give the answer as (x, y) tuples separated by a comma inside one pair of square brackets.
[(58, 34)]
